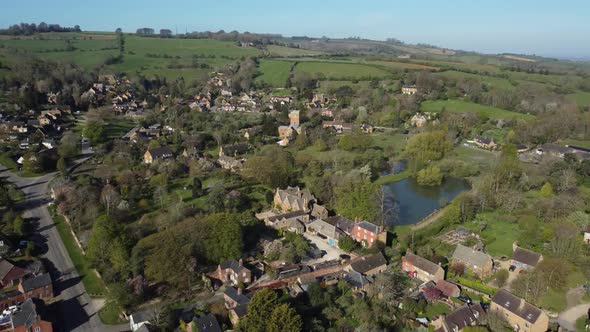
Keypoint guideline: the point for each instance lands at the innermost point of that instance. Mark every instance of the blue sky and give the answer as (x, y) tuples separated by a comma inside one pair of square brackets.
[(554, 28)]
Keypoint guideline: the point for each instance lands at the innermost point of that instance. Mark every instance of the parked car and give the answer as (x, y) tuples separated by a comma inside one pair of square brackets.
[(10, 310), (465, 299)]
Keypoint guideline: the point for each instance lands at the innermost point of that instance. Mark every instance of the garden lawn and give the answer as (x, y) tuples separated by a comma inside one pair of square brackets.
[(119, 126), (459, 106), (342, 71), (436, 309), (498, 234), (274, 72)]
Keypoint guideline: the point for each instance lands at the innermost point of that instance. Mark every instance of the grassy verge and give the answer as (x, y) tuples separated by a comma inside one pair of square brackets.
[(393, 177), (109, 314), (92, 282), (12, 166), (8, 163)]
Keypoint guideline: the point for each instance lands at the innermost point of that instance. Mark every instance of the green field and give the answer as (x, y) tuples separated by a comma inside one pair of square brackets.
[(459, 106), (488, 80), (274, 72), (582, 144), (402, 65), (581, 98), (148, 56), (282, 51), (341, 71)]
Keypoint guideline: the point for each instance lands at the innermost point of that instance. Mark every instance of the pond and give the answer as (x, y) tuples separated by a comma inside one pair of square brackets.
[(407, 203)]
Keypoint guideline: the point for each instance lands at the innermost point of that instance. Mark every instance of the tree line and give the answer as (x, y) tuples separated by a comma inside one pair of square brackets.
[(27, 29)]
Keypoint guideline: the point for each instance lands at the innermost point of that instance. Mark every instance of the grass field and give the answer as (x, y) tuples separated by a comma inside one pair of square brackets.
[(582, 144), (274, 72), (488, 80), (581, 98), (402, 65), (282, 51), (459, 106), (341, 71), (148, 56)]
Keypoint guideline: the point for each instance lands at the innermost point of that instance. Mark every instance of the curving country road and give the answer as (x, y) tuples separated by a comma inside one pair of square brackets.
[(73, 306)]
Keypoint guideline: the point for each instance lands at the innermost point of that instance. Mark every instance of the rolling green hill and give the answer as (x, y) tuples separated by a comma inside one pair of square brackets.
[(459, 106)]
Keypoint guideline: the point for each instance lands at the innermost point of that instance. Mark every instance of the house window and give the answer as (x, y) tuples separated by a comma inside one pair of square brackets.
[(37, 329)]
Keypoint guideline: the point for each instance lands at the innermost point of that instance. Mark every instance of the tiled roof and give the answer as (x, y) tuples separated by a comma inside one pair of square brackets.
[(366, 264), (369, 227), (527, 257), (517, 306), (470, 256), (36, 282), (422, 263)]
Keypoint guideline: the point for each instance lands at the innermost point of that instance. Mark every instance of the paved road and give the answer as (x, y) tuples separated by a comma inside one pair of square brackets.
[(76, 310)]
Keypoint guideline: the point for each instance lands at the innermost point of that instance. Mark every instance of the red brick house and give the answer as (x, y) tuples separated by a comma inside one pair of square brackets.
[(10, 274), (367, 233), (27, 319), (39, 287)]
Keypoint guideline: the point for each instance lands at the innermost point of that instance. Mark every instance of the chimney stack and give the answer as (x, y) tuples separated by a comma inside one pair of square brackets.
[(239, 290)]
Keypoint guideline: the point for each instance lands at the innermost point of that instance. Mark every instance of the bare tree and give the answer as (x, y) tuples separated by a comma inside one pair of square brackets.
[(109, 197)]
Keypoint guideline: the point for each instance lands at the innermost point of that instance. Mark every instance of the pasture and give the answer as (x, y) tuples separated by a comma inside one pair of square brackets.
[(274, 72), (580, 98), (282, 51), (341, 71), (459, 106)]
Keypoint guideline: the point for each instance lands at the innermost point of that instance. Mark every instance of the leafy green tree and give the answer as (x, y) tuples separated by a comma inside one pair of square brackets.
[(425, 147), (69, 145), (273, 167), (95, 132), (429, 176), (260, 309), (546, 191), (501, 277), (347, 243), (32, 163), (61, 166), (167, 262), (356, 198), (197, 189), (284, 319)]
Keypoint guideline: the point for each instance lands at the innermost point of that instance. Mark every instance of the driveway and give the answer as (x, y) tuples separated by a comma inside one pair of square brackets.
[(74, 308), (567, 319), (332, 252)]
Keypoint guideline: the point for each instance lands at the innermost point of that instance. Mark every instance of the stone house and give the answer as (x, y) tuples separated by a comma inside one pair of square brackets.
[(521, 315), (448, 289), (409, 90), (486, 143), (524, 259), (369, 265), (157, 154), (422, 269), (480, 264), (293, 199), (466, 316), (233, 150), (28, 319), (204, 323), (234, 272), (293, 221)]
